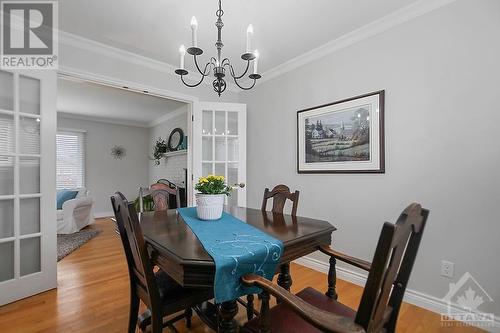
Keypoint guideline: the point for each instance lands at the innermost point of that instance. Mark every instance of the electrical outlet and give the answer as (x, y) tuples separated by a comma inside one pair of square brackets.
[(447, 269)]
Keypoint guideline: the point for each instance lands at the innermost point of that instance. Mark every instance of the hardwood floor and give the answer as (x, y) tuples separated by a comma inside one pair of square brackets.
[(93, 295)]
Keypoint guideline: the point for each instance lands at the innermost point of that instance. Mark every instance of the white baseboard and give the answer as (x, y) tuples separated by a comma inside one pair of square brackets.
[(414, 297), (103, 214)]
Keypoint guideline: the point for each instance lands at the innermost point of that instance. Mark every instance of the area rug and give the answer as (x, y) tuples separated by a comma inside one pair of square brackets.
[(69, 243)]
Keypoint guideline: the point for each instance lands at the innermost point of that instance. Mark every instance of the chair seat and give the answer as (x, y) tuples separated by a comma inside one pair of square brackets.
[(283, 319), (174, 296)]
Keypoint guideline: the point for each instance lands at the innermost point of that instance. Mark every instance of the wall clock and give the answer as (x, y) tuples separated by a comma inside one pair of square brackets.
[(175, 139)]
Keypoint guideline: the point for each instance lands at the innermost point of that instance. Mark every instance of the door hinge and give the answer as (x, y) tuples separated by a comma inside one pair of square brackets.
[(192, 117)]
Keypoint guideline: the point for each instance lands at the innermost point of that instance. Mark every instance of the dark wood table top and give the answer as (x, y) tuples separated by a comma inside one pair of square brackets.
[(178, 252), (167, 233)]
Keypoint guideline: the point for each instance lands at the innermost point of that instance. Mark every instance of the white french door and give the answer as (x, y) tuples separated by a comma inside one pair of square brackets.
[(219, 145), (27, 183)]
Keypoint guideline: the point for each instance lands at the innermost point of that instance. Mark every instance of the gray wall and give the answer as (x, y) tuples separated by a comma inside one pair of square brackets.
[(103, 173), (441, 75), (171, 168)]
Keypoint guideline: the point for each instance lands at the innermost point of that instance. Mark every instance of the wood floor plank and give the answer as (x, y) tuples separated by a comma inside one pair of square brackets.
[(92, 296)]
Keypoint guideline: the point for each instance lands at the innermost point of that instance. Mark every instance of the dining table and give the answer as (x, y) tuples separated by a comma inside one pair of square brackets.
[(178, 252)]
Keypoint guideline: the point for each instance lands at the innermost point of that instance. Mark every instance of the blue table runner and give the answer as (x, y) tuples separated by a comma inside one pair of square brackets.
[(237, 249)]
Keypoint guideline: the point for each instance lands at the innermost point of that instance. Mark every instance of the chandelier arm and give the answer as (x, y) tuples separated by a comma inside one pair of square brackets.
[(231, 71), (253, 84), (192, 85), (204, 72)]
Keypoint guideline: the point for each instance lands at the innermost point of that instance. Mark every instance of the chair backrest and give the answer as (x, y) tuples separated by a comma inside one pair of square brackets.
[(280, 193), (140, 268), (390, 271), (166, 182), (161, 194)]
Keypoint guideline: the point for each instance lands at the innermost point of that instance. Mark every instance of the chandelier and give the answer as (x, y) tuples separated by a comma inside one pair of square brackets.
[(218, 66)]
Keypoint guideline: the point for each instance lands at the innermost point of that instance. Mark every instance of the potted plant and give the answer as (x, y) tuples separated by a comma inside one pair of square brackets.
[(159, 150), (210, 199), (147, 203)]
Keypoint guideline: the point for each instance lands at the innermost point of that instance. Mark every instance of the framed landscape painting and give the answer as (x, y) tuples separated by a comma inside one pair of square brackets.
[(342, 137)]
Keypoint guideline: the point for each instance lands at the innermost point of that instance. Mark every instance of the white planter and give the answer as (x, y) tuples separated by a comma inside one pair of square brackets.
[(209, 206)]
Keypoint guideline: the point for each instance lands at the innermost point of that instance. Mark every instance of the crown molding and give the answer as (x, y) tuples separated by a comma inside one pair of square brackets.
[(72, 40), (376, 27), (121, 122)]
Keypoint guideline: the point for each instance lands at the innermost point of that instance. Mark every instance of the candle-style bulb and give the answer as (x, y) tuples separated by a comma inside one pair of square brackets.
[(182, 52), (249, 37), (255, 61), (194, 34), (194, 22)]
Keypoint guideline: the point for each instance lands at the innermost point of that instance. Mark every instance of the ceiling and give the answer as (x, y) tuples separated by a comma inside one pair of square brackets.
[(105, 103), (284, 29)]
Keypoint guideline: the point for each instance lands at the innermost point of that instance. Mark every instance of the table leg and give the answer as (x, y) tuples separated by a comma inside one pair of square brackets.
[(228, 311)]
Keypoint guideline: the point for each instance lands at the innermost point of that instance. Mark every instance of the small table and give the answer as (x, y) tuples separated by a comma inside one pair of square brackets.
[(180, 254)]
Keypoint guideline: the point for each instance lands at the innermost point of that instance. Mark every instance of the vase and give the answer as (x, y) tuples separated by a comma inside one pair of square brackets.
[(209, 206)]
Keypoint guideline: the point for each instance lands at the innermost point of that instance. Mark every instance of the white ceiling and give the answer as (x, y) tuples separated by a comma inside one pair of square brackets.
[(111, 104), (284, 29)]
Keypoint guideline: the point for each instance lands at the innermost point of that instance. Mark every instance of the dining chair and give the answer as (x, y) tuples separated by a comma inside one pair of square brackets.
[(158, 291), (311, 311), (162, 195), (279, 194)]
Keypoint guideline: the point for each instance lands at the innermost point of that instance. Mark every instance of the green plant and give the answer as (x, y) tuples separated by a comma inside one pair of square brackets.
[(213, 185), (159, 149), (147, 202)]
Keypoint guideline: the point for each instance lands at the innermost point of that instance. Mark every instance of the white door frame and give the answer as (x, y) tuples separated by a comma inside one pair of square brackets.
[(72, 74)]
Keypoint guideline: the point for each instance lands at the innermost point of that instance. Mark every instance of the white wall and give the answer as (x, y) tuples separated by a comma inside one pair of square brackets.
[(441, 75), (103, 173), (171, 168)]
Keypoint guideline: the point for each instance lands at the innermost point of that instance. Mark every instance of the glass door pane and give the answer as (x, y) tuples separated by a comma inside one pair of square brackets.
[(29, 95), (30, 255), (232, 178), (29, 135), (207, 125), (220, 123), (232, 123), (29, 216), (6, 219), (220, 149), (29, 171), (6, 175), (7, 91), (7, 132), (7, 260)]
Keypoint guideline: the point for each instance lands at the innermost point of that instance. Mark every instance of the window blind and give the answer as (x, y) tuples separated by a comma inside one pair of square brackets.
[(70, 159)]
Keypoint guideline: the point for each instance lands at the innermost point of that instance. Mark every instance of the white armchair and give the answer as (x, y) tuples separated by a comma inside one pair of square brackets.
[(75, 213)]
